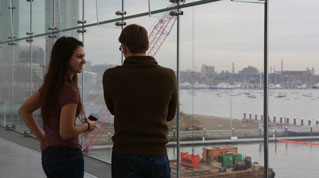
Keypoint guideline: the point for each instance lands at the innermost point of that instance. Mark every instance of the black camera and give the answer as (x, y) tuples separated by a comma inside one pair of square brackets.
[(93, 117)]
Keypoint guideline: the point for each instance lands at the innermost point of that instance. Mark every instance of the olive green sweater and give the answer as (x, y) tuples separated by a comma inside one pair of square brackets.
[(142, 96)]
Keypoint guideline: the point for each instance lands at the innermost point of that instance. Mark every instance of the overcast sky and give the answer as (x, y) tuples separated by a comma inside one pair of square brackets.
[(224, 32)]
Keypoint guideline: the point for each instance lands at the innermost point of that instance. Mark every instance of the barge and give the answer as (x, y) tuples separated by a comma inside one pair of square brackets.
[(218, 162)]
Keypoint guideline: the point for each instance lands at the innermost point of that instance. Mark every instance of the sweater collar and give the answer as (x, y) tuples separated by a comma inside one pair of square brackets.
[(139, 59)]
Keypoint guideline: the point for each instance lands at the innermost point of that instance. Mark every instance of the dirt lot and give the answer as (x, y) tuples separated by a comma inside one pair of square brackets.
[(198, 122)]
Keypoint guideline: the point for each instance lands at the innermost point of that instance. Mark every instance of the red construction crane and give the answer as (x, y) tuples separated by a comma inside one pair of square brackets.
[(161, 31)]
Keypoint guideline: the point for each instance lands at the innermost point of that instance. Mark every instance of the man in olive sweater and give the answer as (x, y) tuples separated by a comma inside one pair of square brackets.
[(142, 96)]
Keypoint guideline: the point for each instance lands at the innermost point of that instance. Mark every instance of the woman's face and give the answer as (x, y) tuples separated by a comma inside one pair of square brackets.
[(77, 61)]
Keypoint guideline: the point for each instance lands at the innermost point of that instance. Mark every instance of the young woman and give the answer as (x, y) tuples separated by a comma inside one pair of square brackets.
[(60, 103)]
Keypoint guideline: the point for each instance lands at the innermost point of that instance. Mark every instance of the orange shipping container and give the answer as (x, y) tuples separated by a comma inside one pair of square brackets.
[(211, 153)]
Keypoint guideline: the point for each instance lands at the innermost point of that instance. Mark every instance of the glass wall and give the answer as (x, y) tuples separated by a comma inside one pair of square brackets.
[(220, 64)]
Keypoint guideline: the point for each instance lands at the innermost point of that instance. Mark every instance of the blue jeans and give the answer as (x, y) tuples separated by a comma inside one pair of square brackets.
[(133, 166), (63, 162)]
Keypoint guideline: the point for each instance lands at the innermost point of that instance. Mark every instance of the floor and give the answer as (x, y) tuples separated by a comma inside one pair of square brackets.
[(21, 158)]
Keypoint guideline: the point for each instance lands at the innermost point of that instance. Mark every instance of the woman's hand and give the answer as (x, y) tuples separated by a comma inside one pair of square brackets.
[(41, 143), (92, 124)]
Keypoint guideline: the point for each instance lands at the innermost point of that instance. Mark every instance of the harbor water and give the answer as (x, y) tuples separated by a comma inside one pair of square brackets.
[(299, 104)]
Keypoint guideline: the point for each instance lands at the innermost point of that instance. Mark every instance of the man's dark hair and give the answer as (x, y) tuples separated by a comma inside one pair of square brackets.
[(135, 38)]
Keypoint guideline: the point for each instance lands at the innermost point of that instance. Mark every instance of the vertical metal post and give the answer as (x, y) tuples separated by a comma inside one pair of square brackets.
[(53, 22), (4, 114), (82, 139), (149, 8), (231, 115), (12, 37), (178, 104), (266, 173), (12, 78), (122, 56), (82, 42), (30, 89), (97, 13)]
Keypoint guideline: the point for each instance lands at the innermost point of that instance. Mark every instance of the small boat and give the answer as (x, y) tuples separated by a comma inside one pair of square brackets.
[(307, 95), (316, 86), (281, 95), (251, 96)]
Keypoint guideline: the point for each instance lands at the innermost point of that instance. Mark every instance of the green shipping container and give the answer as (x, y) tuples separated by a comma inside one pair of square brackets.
[(228, 161), (238, 158)]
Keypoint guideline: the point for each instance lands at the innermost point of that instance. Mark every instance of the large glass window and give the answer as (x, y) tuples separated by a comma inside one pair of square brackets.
[(221, 74)]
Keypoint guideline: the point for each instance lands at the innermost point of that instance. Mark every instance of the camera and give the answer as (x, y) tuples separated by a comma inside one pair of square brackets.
[(93, 117)]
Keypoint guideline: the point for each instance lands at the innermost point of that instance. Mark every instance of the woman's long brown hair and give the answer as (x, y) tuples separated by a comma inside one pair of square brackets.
[(58, 73)]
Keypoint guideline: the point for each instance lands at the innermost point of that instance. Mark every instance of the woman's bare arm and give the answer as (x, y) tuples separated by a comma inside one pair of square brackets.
[(67, 119), (26, 112)]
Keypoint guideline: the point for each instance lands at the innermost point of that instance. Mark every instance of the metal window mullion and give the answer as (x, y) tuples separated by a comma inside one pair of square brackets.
[(11, 18), (122, 20), (266, 166), (82, 94), (178, 92), (60, 14), (53, 16), (82, 34), (97, 12), (12, 59), (12, 81), (83, 42), (53, 27), (30, 91)]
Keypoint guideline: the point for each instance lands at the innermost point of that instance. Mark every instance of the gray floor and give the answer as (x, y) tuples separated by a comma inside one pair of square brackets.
[(20, 158), (19, 161)]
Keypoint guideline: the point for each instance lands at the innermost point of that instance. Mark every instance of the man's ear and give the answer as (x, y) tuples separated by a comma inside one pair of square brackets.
[(124, 49), (147, 47)]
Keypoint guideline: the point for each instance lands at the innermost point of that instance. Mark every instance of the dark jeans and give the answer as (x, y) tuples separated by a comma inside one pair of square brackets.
[(133, 166), (63, 162)]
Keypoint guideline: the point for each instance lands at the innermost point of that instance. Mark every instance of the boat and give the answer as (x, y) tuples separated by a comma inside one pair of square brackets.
[(281, 95), (218, 162), (307, 95), (251, 96), (275, 86), (303, 86), (316, 86)]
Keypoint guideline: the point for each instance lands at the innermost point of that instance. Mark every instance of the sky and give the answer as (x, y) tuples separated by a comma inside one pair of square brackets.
[(215, 34), (224, 32)]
